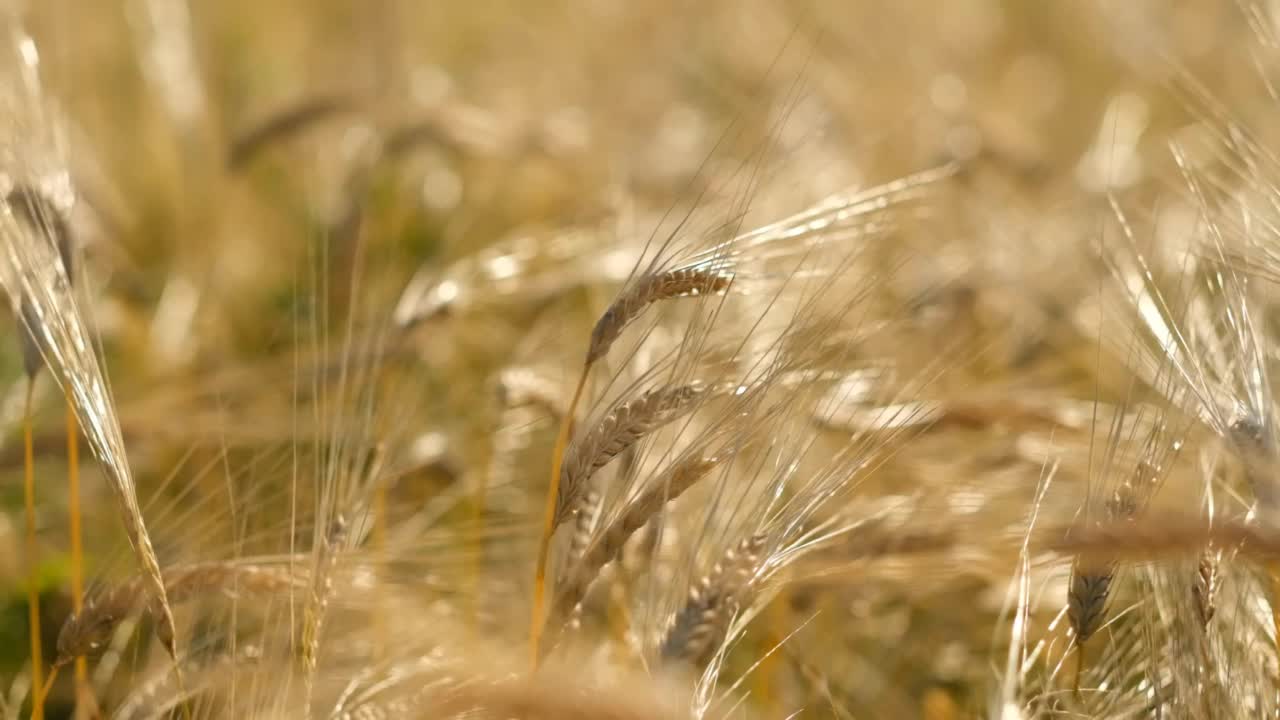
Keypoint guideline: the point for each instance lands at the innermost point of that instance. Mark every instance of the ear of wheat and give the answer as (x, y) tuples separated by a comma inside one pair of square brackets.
[(86, 633), (618, 430), (699, 626)]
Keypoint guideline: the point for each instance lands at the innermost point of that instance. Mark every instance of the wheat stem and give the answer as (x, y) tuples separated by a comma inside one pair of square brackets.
[(42, 691), (549, 519), (33, 587), (1080, 660)]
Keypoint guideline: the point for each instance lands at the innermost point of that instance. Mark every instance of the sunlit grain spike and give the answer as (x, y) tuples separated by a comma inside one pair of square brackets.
[(617, 431), (1205, 586), (681, 282)]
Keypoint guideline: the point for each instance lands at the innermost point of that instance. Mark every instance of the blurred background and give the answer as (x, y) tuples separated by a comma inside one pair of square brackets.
[(262, 188)]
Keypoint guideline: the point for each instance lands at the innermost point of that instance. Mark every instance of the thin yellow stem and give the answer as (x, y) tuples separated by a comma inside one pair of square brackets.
[(548, 523), (1079, 668), (77, 540), (33, 589), (42, 692)]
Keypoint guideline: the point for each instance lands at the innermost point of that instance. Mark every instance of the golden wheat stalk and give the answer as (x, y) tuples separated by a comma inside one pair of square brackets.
[(32, 564)]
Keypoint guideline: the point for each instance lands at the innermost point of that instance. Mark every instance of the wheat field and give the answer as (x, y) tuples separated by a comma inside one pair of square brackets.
[(635, 360)]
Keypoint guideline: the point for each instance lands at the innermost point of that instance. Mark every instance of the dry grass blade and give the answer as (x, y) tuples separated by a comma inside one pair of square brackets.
[(609, 542), (699, 627)]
